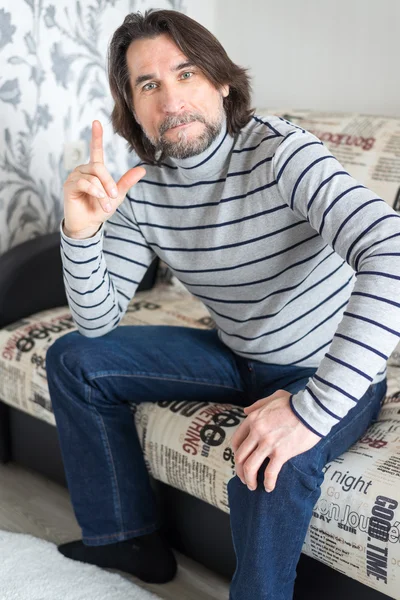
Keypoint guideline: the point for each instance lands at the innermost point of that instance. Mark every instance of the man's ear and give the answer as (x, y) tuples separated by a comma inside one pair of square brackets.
[(225, 91)]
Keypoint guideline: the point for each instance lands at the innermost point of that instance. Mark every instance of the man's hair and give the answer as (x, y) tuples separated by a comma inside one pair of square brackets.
[(199, 45)]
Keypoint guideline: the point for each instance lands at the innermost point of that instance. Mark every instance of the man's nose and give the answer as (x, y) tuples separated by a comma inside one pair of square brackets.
[(172, 100)]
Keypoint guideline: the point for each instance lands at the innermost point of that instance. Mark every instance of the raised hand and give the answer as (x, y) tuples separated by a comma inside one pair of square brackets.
[(91, 196)]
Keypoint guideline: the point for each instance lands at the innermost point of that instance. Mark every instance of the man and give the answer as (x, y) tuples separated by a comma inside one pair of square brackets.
[(260, 222)]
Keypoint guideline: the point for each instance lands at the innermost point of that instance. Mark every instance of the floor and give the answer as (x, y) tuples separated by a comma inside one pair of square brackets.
[(30, 503)]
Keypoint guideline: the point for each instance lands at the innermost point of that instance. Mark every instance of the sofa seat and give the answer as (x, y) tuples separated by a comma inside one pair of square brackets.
[(356, 524)]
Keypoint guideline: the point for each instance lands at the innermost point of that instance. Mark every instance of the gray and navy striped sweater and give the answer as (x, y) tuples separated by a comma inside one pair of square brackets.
[(296, 261)]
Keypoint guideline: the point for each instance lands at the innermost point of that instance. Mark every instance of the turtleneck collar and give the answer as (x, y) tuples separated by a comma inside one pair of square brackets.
[(208, 163)]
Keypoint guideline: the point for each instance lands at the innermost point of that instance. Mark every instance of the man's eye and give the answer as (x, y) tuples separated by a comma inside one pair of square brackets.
[(146, 87), (187, 73)]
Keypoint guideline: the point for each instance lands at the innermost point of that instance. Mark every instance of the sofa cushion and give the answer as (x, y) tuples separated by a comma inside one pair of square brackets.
[(187, 444)]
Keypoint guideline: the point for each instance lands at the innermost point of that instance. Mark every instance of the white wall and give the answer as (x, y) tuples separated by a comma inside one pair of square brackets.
[(203, 11), (342, 55)]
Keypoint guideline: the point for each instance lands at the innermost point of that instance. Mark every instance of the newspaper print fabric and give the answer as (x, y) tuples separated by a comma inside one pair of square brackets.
[(356, 523)]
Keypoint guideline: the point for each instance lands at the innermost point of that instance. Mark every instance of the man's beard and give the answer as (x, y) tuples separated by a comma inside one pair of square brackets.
[(186, 145)]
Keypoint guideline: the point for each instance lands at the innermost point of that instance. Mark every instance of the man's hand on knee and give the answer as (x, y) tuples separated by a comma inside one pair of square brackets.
[(272, 430)]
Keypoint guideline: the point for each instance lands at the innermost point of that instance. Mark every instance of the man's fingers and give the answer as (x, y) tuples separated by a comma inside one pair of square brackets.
[(100, 171), (271, 473), (253, 464), (83, 185), (128, 180), (115, 192), (244, 459), (96, 143), (240, 435)]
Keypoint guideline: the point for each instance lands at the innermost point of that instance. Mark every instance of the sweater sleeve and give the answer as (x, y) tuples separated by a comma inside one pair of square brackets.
[(102, 273), (364, 231)]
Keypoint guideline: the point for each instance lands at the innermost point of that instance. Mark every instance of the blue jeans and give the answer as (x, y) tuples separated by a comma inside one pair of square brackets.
[(93, 381)]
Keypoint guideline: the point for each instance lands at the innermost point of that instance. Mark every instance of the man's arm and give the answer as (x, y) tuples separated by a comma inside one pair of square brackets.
[(364, 231), (102, 272)]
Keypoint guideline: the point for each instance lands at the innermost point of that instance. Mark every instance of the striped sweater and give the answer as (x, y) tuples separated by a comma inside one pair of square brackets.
[(296, 262)]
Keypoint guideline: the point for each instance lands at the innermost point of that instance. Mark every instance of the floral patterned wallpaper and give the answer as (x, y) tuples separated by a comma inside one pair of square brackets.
[(53, 83)]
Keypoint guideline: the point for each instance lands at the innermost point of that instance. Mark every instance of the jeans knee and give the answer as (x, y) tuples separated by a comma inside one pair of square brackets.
[(67, 345)]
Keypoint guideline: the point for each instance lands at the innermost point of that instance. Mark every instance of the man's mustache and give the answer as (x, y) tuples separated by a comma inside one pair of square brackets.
[(170, 122)]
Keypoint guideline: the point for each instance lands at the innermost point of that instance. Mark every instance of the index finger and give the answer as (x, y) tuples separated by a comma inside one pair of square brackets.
[(96, 144)]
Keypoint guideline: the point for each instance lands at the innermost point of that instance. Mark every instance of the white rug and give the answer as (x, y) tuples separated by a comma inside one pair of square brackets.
[(33, 569)]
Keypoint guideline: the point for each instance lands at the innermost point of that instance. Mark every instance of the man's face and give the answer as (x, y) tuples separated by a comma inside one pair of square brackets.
[(177, 107)]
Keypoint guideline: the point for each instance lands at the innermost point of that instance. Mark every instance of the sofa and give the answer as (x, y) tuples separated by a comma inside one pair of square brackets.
[(352, 548)]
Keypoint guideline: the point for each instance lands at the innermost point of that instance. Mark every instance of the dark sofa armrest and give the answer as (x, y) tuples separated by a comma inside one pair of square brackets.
[(31, 278)]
